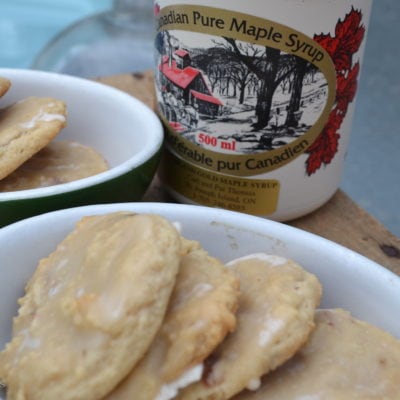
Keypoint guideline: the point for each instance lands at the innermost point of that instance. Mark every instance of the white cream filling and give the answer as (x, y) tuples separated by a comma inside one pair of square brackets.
[(271, 327), (42, 116), (201, 289), (178, 226), (170, 390), (254, 384)]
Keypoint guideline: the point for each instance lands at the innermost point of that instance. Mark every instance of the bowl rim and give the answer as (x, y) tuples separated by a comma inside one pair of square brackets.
[(155, 132), (231, 218), (363, 278)]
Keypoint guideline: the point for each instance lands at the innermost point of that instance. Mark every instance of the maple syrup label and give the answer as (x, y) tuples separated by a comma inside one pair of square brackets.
[(247, 96), (241, 97)]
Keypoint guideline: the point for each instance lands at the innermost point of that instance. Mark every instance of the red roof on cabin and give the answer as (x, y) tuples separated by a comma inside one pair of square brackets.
[(177, 126), (206, 97), (181, 53), (181, 77)]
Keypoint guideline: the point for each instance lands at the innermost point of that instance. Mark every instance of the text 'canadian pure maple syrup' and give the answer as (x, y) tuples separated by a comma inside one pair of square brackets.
[(257, 99)]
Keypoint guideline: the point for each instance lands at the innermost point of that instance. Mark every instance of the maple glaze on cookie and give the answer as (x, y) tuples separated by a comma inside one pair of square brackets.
[(92, 308), (59, 162), (275, 317), (26, 127)]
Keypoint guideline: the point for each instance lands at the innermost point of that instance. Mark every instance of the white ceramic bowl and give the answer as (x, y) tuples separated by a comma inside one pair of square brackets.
[(121, 128), (351, 281)]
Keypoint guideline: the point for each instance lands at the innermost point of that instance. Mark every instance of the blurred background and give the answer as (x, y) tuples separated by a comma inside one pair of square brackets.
[(34, 33), (26, 26)]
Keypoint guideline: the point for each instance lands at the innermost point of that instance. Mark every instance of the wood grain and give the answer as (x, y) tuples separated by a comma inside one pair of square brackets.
[(343, 221), (340, 220)]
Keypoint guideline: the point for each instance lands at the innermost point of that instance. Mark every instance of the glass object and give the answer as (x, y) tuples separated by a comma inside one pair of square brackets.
[(116, 41)]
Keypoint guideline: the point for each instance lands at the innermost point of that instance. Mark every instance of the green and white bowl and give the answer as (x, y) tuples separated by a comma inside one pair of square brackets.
[(126, 132)]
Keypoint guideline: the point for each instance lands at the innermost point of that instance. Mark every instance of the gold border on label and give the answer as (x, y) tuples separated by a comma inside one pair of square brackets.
[(171, 18)]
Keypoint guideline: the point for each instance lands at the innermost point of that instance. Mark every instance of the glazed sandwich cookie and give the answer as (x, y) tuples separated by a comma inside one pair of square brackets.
[(59, 162), (345, 359), (200, 314), (275, 318), (26, 127), (92, 308), (5, 84)]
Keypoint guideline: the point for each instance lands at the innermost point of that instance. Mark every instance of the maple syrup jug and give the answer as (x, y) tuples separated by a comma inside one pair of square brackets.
[(257, 99)]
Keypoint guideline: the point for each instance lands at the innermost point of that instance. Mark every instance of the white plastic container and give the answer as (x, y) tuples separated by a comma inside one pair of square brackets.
[(257, 98)]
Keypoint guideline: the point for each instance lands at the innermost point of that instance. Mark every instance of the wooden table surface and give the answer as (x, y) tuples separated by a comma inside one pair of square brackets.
[(340, 220)]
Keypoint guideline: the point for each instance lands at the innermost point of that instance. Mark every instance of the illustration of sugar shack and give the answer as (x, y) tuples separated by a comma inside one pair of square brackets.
[(187, 84)]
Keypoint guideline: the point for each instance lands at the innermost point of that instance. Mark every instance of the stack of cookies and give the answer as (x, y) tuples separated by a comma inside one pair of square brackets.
[(128, 308), (29, 158)]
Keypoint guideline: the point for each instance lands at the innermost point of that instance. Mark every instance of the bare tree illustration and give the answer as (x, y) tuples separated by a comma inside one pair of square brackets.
[(292, 118), (271, 67), (242, 77), (213, 63)]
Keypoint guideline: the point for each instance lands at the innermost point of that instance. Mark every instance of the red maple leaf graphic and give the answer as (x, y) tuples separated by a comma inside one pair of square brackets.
[(326, 146), (349, 35), (347, 88)]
